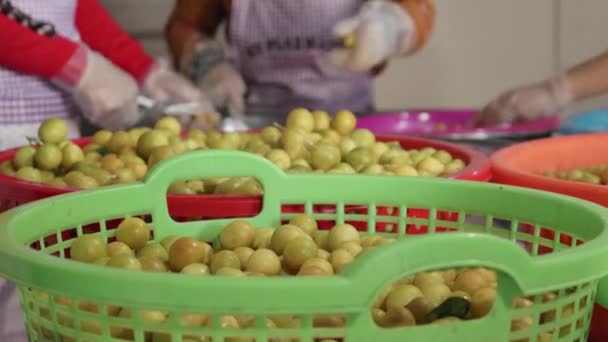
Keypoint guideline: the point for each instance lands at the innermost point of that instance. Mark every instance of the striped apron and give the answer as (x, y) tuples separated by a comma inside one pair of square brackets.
[(26, 101)]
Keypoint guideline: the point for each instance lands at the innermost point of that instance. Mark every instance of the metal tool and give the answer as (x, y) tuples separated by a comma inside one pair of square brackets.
[(156, 108), (233, 121)]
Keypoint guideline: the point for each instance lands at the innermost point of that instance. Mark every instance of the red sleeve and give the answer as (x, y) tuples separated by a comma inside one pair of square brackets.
[(27, 52), (103, 34)]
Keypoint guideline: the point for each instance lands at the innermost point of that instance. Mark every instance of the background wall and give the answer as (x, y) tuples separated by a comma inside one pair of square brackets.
[(479, 48)]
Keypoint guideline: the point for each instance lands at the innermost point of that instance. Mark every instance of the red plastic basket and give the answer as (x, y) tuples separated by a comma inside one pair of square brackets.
[(523, 165), (15, 192)]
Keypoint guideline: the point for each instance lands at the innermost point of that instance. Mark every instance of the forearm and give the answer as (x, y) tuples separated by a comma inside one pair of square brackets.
[(191, 21), (25, 51), (590, 78), (103, 34), (423, 13)]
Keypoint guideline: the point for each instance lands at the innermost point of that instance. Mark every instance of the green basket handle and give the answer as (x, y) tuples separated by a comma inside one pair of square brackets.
[(450, 250), (213, 164)]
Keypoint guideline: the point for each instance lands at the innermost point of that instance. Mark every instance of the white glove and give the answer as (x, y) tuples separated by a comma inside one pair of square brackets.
[(106, 94), (381, 30), (225, 87), (165, 85), (527, 103)]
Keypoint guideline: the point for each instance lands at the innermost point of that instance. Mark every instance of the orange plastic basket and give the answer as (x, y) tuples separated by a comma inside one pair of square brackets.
[(523, 165)]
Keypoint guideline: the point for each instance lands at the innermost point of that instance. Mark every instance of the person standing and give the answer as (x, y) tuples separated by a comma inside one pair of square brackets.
[(291, 53), (68, 59)]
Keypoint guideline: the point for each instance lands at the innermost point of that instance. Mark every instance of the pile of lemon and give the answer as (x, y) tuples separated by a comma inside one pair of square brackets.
[(310, 142), (295, 249)]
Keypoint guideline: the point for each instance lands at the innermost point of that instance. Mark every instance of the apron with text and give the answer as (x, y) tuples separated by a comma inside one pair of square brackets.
[(281, 48)]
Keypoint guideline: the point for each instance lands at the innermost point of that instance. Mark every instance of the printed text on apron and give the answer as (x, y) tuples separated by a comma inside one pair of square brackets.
[(281, 46)]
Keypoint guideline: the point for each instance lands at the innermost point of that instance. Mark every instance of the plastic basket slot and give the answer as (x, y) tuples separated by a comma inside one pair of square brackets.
[(502, 223), (112, 224), (447, 221), (226, 326), (474, 223), (400, 226), (417, 221), (535, 239), (79, 320), (362, 216), (52, 316), (543, 240), (39, 313), (48, 311), (291, 210), (548, 313), (54, 244), (557, 313), (391, 219), (357, 215), (299, 208), (35, 245), (545, 234), (120, 328), (323, 213), (84, 317), (91, 228), (386, 219)]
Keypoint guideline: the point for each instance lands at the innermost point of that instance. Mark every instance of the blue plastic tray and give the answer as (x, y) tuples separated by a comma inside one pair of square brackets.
[(590, 122)]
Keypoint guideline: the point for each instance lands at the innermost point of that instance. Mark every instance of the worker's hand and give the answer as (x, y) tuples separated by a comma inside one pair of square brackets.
[(165, 85), (381, 30), (106, 94), (526, 103), (225, 87)]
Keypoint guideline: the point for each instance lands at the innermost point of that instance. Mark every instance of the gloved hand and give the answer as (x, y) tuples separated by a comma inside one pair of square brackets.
[(163, 84), (381, 30), (225, 87), (106, 94), (527, 103)]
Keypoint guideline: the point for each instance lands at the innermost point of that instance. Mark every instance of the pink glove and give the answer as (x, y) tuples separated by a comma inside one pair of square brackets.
[(381, 30), (163, 84), (527, 103), (106, 94)]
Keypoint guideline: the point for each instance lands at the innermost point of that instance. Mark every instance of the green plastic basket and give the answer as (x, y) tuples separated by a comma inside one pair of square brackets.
[(478, 238)]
